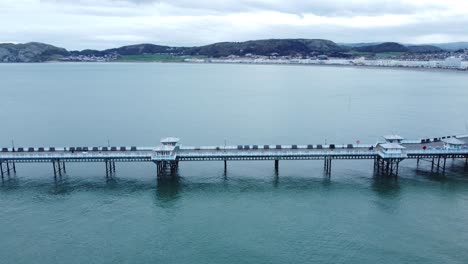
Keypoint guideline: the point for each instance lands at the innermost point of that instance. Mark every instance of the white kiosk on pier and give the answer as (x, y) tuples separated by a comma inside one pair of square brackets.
[(453, 143)]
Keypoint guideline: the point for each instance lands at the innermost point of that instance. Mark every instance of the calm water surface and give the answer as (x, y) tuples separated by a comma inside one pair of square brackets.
[(249, 215)]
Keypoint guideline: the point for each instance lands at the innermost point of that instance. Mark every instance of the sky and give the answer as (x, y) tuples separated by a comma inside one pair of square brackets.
[(101, 24)]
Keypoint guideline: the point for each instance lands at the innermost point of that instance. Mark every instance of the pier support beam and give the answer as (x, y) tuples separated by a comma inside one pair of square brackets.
[(445, 161), (6, 167), (327, 165), (276, 165), (165, 167), (110, 167), (55, 170), (225, 165), (388, 167), (59, 167)]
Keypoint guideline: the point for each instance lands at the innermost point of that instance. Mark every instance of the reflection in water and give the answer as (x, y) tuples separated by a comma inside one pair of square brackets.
[(10, 182), (276, 179), (167, 190), (61, 186), (387, 186)]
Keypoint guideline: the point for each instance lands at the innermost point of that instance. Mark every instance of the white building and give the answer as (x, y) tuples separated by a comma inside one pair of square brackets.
[(453, 63), (453, 143), (393, 138)]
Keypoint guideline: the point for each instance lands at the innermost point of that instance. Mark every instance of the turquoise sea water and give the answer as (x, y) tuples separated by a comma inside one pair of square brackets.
[(249, 215)]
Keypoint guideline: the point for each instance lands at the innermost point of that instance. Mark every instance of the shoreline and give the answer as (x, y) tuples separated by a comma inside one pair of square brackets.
[(331, 65), (422, 69)]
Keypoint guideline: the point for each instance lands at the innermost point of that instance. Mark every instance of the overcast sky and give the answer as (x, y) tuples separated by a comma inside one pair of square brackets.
[(100, 24)]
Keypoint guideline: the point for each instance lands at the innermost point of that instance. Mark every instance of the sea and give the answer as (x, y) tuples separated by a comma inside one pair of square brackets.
[(248, 214)]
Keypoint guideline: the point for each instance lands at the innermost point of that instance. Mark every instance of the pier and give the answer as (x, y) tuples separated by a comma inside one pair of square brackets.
[(386, 154)]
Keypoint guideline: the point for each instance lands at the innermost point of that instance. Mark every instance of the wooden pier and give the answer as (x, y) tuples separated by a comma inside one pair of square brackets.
[(386, 154)]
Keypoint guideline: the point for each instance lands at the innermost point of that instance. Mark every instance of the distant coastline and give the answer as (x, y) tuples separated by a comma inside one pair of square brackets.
[(264, 52), (462, 71), (267, 50), (329, 65)]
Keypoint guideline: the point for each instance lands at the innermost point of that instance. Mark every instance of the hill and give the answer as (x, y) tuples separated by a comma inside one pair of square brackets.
[(30, 52), (281, 47), (140, 49), (384, 47), (424, 49), (452, 46)]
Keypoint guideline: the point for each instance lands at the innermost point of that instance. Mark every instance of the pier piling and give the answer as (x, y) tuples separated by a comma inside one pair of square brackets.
[(327, 165)]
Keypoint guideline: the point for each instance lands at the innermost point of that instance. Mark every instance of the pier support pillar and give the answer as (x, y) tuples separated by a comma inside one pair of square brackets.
[(59, 167), (6, 167), (173, 166), (166, 167), (445, 161), (388, 167), (327, 165), (110, 167), (160, 168), (225, 165), (276, 165), (55, 170)]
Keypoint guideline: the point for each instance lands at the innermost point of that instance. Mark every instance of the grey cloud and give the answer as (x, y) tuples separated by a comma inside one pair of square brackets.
[(317, 7), (81, 24)]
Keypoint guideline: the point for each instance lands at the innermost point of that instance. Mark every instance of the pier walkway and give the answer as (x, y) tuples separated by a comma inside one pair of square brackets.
[(386, 154)]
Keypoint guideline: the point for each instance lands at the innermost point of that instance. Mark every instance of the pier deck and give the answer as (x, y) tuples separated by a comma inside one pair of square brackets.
[(168, 155)]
